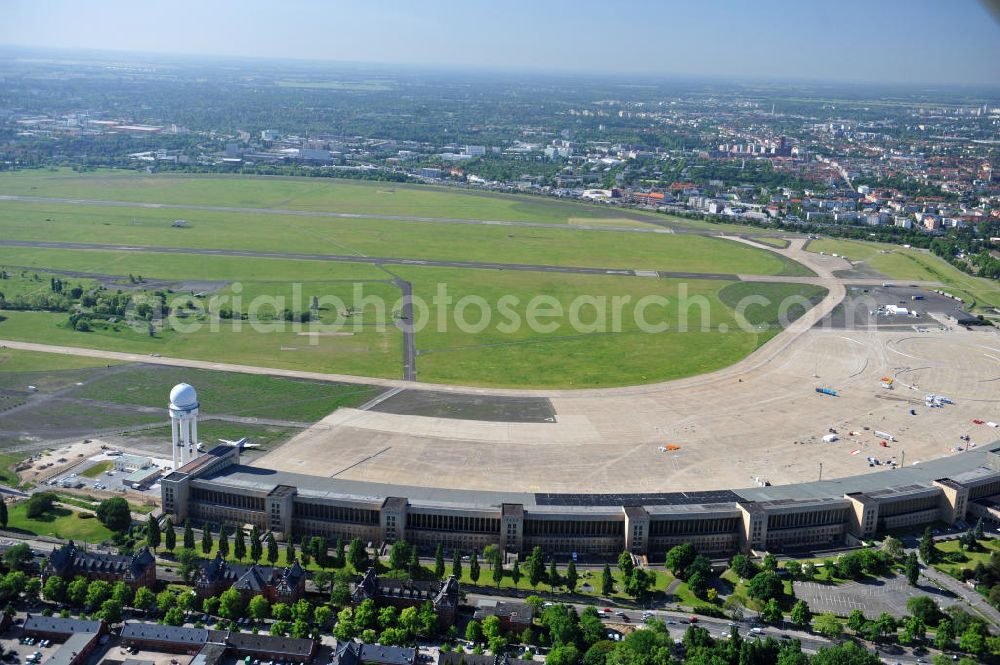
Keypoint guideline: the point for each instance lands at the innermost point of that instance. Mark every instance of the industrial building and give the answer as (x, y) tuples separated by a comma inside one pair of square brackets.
[(216, 488)]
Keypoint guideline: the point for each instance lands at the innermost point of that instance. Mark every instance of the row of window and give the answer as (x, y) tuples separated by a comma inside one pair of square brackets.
[(907, 506), (812, 518), (582, 528), (435, 522), (244, 501), (328, 513), (672, 527)]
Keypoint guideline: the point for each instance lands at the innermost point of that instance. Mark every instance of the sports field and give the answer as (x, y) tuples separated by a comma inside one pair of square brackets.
[(357, 328)]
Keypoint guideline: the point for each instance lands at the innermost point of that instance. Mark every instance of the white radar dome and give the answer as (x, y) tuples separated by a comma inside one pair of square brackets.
[(183, 396)]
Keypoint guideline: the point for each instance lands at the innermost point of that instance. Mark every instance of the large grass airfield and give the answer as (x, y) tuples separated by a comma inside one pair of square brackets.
[(495, 408), (269, 253)]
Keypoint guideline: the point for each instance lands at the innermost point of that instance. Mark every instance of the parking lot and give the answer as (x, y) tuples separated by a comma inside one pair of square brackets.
[(866, 307), (107, 481), (872, 597)]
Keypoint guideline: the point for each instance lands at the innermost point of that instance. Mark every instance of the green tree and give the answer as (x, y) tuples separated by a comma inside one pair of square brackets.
[(679, 558), (769, 562), (3, 514), (928, 550), (912, 567), (54, 590), (356, 554), (240, 544), (290, 551), (828, 625), (856, 620), (111, 611), (399, 555), (439, 561), (515, 573), (571, 578), (638, 583), (893, 547), (743, 566), (144, 598), (223, 541), (887, 625), (39, 504), (764, 586), (491, 627), (304, 552), (607, 581), (456, 565), (174, 617), (97, 592), (272, 548), (625, 564), (121, 593), (338, 547), (848, 653), (409, 621), (474, 631), (414, 567), (554, 578), (319, 547), (944, 636), (188, 535), (698, 584), (535, 567), (771, 612), (924, 608), (800, 614), (169, 536), (258, 608), (188, 563), (76, 591), (281, 612), (973, 639), (497, 571), (206, 538), (211, 605), (256, 548), (153, 533), (18, 557), (114, 513), (165, 600), (793, 568), (231, 604), (566, 654), (474, 568), (914, 630), (340, 593)]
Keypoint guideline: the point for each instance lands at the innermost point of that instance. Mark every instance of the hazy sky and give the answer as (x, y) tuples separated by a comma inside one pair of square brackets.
[(853, 40)]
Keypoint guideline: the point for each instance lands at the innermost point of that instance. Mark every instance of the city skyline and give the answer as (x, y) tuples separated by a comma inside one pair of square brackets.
[(917, 43)]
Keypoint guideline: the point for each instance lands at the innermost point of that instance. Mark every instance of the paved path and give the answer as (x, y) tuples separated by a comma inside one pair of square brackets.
[(762, 357), (349, 215), (970, 596), (353, 258)]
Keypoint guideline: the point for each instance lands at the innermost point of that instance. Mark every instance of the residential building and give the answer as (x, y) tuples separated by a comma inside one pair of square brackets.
[(69, 561), (385, 591)]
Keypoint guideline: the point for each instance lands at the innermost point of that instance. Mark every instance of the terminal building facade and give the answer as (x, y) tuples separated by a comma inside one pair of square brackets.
[(216, 488)]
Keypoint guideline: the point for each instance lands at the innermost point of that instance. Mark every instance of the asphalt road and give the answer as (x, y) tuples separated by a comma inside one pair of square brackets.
[(351, 258), (348, 215), (678, 622), (409, 335)]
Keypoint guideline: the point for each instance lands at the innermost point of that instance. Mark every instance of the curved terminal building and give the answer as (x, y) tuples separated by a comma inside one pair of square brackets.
[(216, 488)]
